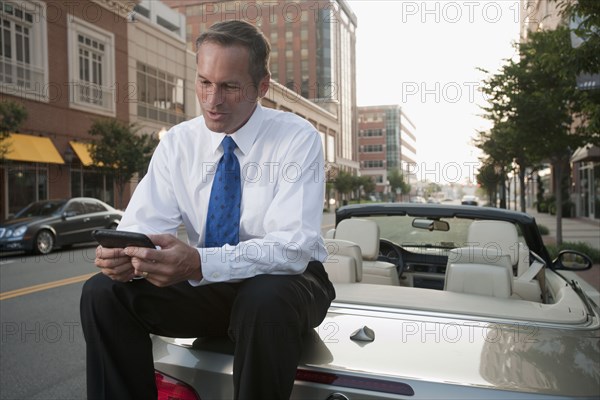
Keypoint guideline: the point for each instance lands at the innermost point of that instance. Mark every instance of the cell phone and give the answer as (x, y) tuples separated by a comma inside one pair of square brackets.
[(121, 239)]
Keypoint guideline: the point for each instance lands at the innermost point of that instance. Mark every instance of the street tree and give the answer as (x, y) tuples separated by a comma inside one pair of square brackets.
[(12, 115), (396, 179), (489, 179), (584, 16), (366, 183), (499, 145), (120, 152), (431, 189), (548, 55), (512, 108), (533, 104), (344, 183)]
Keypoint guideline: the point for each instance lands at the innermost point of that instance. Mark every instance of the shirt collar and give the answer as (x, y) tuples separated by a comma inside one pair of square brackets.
[(244, 137)]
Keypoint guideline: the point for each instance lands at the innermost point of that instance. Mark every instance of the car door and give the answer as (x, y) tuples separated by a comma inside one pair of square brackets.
[(97, 217), (72, 224)]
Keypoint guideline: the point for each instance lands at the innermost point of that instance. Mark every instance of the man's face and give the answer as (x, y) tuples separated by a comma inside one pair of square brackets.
[(224, 86)]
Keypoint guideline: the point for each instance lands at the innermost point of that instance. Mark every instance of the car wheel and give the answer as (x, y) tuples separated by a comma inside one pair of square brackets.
[(44, 242)]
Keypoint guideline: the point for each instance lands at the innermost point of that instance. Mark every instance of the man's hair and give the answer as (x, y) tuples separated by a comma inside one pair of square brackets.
[(242, 33)]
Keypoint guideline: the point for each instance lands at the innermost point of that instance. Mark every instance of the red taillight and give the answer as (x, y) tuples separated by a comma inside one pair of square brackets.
[(375, 385), (172, 389)]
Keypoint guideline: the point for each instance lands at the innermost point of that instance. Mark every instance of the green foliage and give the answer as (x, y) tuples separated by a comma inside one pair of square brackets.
[(543, 230), (431, 189), (489, 179), (535, 97), (396, 179), (120, 151), (531, 98), (12, 115), (542, 206), (582, 247), (568, 207), (346, 183), (585, 17), (541, 201), (343, 182), (367, 183)]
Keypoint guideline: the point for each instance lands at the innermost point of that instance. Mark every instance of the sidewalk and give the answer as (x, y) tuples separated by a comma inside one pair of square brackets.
[(574, 230)]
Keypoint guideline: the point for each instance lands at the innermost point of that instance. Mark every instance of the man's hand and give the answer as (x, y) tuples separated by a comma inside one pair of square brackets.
[(173, 263), (114, 263)]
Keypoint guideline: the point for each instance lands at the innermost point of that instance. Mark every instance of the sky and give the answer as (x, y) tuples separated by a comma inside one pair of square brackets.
[(424, 55)]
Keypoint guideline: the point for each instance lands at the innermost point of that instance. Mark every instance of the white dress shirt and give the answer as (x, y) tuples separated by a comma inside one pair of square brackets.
[(282, 173)]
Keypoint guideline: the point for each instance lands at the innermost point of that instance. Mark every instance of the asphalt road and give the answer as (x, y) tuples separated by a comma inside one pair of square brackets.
[(41, 345)]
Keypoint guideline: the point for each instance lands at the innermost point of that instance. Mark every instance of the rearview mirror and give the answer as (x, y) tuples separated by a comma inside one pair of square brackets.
[(430, 224), (572, 260)]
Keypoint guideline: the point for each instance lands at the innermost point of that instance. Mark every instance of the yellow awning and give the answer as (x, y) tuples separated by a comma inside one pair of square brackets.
[(33, 149), (83, 152)]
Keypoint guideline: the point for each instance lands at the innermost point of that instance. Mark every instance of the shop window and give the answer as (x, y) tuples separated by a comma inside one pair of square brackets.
[(27, 184), (91, 183)]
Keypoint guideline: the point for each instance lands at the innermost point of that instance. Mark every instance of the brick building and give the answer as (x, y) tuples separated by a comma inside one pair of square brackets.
[(313, 54), (386, 142)]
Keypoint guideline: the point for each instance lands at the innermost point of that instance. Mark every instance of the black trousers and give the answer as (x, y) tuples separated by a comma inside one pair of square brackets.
[(265, 316)]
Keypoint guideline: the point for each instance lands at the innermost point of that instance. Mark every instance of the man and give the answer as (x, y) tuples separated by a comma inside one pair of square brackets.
[(261, 282)]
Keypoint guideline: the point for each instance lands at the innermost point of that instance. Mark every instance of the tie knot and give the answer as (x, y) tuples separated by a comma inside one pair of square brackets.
[(228, 145)]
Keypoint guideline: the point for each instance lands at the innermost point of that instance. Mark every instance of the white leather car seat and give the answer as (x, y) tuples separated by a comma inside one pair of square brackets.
[(365, 233), (479, 270), (344, 261), (502, 236)]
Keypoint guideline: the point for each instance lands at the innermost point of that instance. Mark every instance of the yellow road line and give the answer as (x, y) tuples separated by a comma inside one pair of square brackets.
[(44, 286)]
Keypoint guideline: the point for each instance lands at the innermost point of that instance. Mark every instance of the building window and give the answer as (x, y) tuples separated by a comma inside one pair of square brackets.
[(372, 148), (27, 183), (92, 67), (160, 95), (23, 49), (371, 132), (330, 148), (90, 183), (373, 164)]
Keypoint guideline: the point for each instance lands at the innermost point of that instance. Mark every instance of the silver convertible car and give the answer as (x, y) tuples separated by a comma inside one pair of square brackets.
[(433, 302)]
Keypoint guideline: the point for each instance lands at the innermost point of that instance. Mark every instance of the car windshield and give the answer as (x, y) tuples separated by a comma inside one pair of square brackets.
[(40, 209), (399, 229)]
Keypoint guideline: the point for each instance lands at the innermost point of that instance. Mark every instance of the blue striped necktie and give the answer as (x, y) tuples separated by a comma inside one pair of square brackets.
[(223, 219)]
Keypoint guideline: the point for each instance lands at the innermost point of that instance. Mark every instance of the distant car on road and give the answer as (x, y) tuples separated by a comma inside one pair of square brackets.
[(417, 199), (469, 200), (44, 225)]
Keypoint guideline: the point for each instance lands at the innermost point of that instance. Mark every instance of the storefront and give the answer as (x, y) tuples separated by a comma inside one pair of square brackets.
[(87, 181), (30, 165), (33, 169), (586, 171)]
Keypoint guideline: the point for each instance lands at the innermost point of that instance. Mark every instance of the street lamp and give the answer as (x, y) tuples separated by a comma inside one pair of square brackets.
[(162, 132)]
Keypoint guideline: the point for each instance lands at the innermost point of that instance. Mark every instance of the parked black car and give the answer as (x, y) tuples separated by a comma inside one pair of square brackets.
[(44, 225)]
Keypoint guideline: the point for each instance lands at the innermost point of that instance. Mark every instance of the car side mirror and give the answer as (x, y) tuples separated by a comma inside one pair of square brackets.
[(68, 214), (572, 260)]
